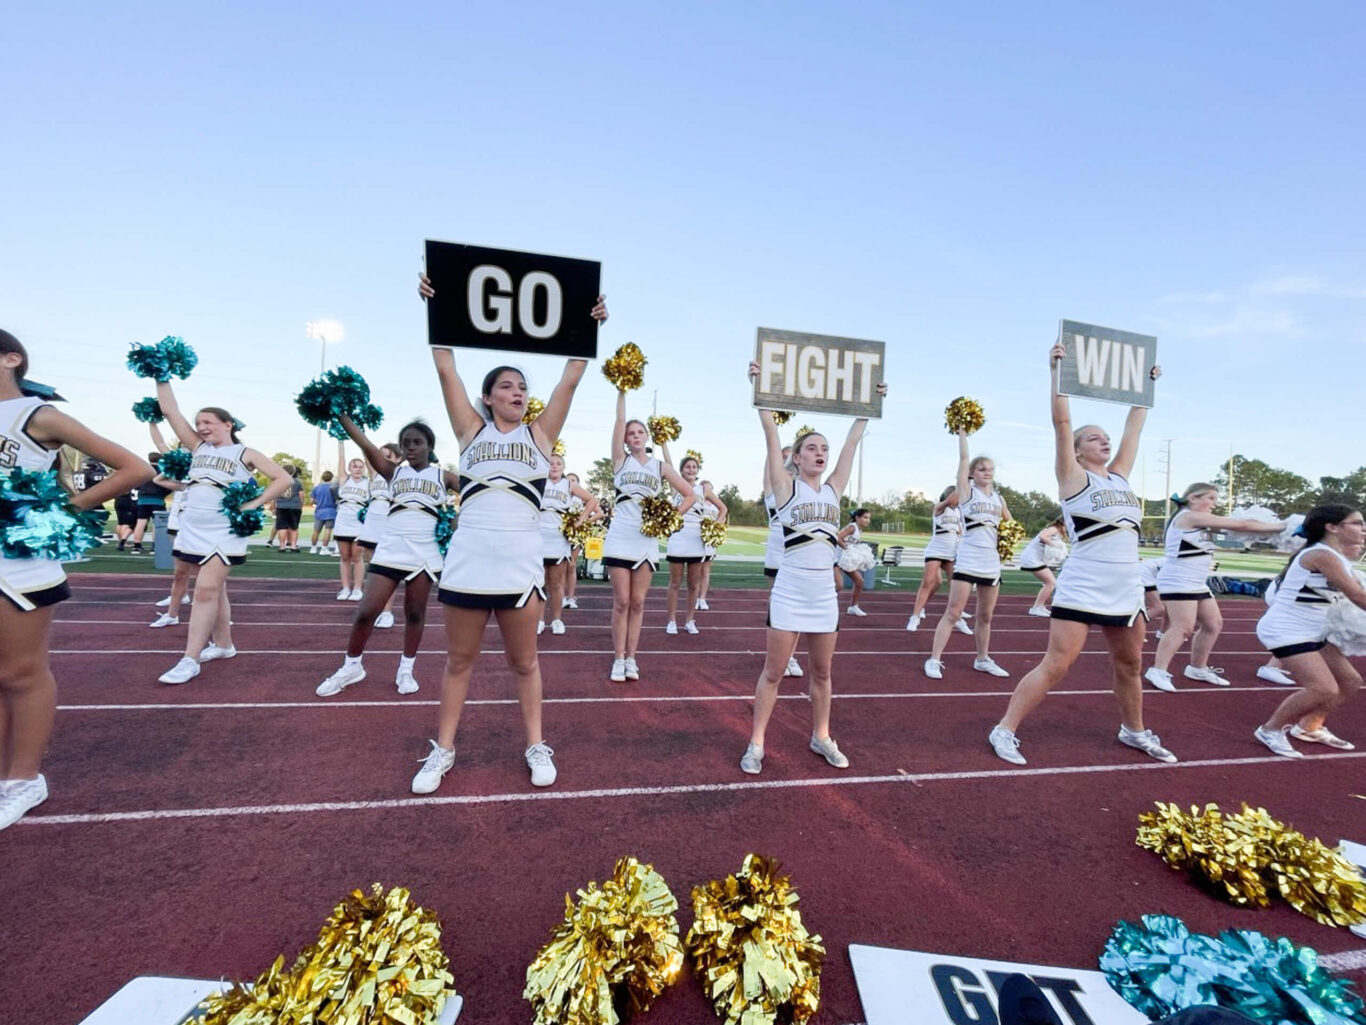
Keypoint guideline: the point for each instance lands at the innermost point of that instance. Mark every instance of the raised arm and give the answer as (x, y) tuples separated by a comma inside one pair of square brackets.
[(1123, 461), (184, 430), (619, 432), (465, 419), (963, 482), (839, 476), (373, 455), (548, 425), (680, 485), (1070, 475), (939, 507), (158, 439), (777, 481), (49, 426)]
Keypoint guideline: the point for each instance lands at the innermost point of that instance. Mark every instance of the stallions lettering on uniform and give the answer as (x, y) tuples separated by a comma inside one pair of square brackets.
[(206, 465), (1118, 506), (406, 487)]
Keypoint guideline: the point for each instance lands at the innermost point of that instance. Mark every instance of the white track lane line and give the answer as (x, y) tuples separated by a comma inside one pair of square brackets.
[(341, 625), (918, 656), (1347, 961), (626, 792)]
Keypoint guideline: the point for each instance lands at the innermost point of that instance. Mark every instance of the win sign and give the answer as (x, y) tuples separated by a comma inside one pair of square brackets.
[(1103, 363)]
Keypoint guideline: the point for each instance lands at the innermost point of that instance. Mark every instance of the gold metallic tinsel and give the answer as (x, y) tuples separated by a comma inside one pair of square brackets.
[(664, 429), (558, 448), (781, 416), (377, 959), (965, 414), (575, 533), (614, 953), (659, 517), (713, 532), (1008, 535), (757, 962), (1247, 856), (534, 408), (625, 368), (694, 454), (803, 429)]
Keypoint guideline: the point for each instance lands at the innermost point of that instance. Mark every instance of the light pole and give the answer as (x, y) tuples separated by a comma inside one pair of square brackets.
[(325, 331)]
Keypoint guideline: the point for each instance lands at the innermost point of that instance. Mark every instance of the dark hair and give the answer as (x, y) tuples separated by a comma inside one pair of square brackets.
[(857, 513), (226, 417), (1315, 526), (152, 457), (8, 343), (490, 379), (574, 475), (948, 491), (687, 460), (421, 427), (292, 470), (327, 476)]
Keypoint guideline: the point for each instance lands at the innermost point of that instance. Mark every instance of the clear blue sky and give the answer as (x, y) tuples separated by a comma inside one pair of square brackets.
[(950, 180)]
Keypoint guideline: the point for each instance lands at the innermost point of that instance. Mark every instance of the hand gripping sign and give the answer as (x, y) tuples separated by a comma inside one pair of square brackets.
[(820, 373), (1106, 364), (504, 299)]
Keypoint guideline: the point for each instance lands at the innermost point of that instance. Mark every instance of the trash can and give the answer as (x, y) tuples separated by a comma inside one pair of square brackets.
[(161, 544)]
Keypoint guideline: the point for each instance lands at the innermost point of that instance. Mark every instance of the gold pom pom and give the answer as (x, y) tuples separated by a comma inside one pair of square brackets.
[(1224, 857), (617, 947), (577, 534), (378, 958), (803, 429), (1008, 535), (558, 448), (1310, 876), (713, 532), (625, 368), (664, 429), (694, 454), (757, 962), (659, 517), (534, 408), (781, 416), (964, 414)]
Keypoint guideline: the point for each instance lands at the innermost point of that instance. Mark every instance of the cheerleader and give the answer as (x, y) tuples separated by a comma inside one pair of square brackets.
[(803, 599), (180, 578), (946, 532), (31, 432), (376, 515), (561, 496), (353, 495), (407, 551), (1099, 585), (205, 538), (773, 546), (1153, 608), (685, 551), (1044, 554), (714, 509), (631, 557), (494, 564), (570, 601), (1294, 629), (1183, 586), (977, 564), (850, 536)]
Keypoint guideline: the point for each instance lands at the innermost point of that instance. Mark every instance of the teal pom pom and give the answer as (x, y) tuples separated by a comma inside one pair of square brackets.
[(361, 514), (1160, 968), (175, 463), (340, 392), (170, 357), (37, 519), (148, 411), (445, 527), (241, 522)]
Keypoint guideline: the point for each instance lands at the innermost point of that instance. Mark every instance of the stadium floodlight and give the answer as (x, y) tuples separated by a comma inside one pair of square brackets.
[(325, 331)]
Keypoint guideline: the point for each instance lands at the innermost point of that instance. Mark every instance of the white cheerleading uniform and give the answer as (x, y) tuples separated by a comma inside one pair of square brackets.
[(27, 583), (203, 533), (407, 543), (685, 545), (352, 496), (555, 503), (773, 548), (1148, 570), (1100, 582), (376, 514), (1296, 619), (978, 561), (625, 546), (709, 512), (803, 599), (1188, 563), (946, 533), (494, 560), (178, 500)]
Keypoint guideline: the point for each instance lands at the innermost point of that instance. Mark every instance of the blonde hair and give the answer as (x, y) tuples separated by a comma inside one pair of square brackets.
[(798, 442), (978, 461), (1076, 437)]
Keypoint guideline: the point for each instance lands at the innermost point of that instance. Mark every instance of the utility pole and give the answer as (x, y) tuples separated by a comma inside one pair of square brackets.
[(860, 467), (1167, 494), (1230, 479)]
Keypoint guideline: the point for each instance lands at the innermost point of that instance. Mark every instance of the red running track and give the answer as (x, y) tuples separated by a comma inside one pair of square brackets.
[(202, 830)]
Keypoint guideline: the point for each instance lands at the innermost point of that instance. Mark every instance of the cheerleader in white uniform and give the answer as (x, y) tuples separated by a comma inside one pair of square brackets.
[(685, 551), (494, 565), (1153, 608), (353, 495), (570, 600), (1044, 554), (946, 533), (561, 495), (773, 547), (372, 530), (1184, 590), (630, 556), (714, 509), (31, 432), (407, 551), (180, 578), (1294, 628), (205, 537), (850, 536), (977, 565), (803, 599), (1099, 585)]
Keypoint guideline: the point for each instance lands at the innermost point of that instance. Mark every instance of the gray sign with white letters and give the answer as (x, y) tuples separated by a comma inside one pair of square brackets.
[(819, 373), (1107, 364)]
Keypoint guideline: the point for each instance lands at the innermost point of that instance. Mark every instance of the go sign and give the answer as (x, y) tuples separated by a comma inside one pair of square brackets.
[(504, 299)]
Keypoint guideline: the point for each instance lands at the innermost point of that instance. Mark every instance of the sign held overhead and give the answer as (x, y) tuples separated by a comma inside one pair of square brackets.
[(819, 373), (1107, 364)]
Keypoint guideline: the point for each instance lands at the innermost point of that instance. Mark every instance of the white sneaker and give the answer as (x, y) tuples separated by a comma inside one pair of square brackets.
[(569, 603), (1006, 745), (356, 594), (671, 628), (854, 610), (1205, 674), (1157, 634), (702, 605), (934, 669), (384, 620), (165, 619), (437, 763), (1040, 610), (1161, 679), (1147, 741), (312, 549), (182, 672), (165, 603), (557, 626), (1321, 736), (405, 682), (987, 665), (794, 668), (540, 627), (618, 674), (214, 652), (913, 624), (340, 680), (752, 761), (539, 761), (830, 751), (691, 627), (965, 615), (632, 670), (344, 594), (1277, 742), (963, 628), (1274, 675), (18, 796)]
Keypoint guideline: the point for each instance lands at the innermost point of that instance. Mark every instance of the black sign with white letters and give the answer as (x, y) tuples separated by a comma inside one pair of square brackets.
[(505, 299)]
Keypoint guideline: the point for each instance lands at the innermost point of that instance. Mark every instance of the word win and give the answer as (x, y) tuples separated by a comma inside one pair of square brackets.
[(1124, 364)]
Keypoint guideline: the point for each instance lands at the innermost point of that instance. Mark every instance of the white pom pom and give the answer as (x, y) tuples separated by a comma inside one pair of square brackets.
[(1257, 512), (1288, 540), (1346, 626), (857, 558)]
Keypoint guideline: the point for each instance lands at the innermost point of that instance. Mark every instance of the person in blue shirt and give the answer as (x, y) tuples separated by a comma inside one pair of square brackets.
[(324, 515)]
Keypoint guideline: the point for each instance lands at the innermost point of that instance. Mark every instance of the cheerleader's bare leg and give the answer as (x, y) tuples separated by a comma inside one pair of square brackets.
[(572, 577), (1181, 619), (180, 583), (858, 587), (640, 586), (415, 594), (958, 601), (1210, 622), (222, 626), (464, 631), (28, 692), (822, 649), (554, 591), (1326, 679), (621, 608), (694, 573), (205, 612), (1157, 612), (929, 583), (379, 592), (1045, 596), (986, 608), (518, 627), (706, 581), (1065, 641), (675, 582), (782, 644), (1126, 658)]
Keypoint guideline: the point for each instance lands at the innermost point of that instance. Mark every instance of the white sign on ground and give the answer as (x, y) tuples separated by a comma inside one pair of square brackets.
[(898, 987)]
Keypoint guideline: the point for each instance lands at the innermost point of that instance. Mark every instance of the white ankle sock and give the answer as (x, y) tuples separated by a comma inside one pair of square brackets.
[(405, 664), (352, 660)]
